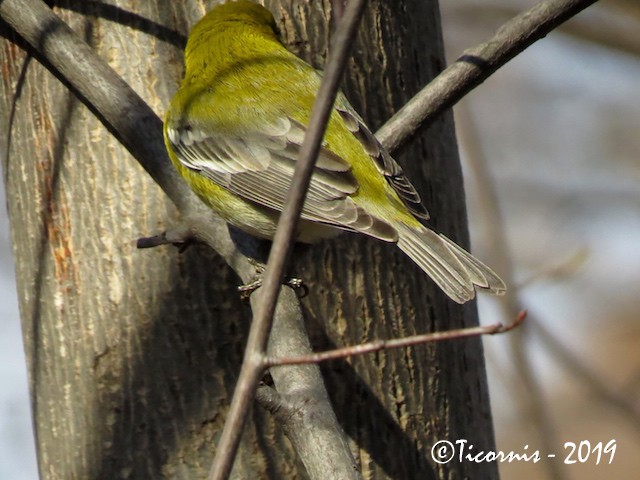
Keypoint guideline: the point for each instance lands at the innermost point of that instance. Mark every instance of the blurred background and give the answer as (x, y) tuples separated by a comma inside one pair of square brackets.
[(554, 138), (551, 151)]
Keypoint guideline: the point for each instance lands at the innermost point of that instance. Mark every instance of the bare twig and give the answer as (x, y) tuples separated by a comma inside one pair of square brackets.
[(180, 235), (378, 345), (253, 363), (475, 66)]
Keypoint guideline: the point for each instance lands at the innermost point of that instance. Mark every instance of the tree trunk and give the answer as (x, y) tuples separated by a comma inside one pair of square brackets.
[(133, 354)]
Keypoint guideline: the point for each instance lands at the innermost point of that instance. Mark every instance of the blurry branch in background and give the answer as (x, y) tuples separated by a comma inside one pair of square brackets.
[(628, 7), (614, 24), (531, 395), (626, 404), (557, 269), (606, 27)]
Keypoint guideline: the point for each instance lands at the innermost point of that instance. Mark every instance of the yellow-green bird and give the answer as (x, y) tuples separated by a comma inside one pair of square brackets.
[(234, 131)]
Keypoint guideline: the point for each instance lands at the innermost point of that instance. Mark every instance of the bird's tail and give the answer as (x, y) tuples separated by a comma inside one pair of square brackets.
[(454, 269)]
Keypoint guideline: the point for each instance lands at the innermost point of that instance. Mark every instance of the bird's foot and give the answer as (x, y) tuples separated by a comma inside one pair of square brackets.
[(247, 289)]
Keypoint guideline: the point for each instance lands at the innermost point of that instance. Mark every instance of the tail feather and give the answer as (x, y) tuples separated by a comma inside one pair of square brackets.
[(454, 269), (492, 281)]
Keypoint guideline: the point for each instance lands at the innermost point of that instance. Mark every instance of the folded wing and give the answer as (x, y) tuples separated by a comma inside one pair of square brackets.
[(258, 167)]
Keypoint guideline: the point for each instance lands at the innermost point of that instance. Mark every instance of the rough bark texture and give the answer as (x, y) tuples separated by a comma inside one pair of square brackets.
[(133, 354)]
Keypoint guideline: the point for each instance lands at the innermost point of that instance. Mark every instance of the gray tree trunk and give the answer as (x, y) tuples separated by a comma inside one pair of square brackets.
[(133, 354)]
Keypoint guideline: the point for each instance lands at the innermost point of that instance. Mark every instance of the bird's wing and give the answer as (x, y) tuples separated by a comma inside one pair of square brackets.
[(258, 166), (385, 164)]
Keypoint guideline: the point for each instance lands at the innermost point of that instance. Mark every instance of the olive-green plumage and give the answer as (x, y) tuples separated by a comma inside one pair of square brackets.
[(234, 130)]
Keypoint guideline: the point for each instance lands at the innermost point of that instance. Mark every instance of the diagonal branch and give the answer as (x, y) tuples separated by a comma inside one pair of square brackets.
[(253, 364), (474, 66), (377, 345)]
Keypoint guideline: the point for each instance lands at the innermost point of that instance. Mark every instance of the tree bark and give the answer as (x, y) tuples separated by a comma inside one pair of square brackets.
[(133, 354)]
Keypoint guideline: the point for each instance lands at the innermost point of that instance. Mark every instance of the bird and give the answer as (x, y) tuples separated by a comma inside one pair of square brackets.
[(234, 130)]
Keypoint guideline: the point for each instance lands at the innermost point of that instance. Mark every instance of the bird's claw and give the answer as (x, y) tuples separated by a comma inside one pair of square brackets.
[(298, 286), (296, 283), (248, 288)]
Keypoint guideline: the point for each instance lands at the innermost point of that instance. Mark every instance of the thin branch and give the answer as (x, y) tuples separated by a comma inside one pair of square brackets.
[(475, 66), (253, 363), (180, 235), (378, 345)]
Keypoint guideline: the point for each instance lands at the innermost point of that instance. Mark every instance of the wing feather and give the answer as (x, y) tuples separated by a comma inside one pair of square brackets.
[(385, 163), (258, 167)]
